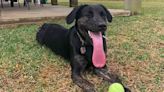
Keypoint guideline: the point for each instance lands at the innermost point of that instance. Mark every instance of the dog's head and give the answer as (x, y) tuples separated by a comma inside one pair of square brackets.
[(91, 22), (90, 18)]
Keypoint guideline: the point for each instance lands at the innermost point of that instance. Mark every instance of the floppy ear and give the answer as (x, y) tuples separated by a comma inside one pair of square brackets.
[(72, 15), (109, 16)]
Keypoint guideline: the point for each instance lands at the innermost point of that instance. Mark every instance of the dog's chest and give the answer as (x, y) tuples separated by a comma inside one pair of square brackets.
[(88, 53)]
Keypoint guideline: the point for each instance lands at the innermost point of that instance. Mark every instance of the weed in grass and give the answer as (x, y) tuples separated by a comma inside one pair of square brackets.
[(158, 79), (126, 46), (162, 55), (161, 50), (161, 37), (143, 57)]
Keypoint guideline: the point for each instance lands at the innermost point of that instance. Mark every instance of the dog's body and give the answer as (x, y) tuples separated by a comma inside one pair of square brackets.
[(55, 37), (60, 40), (78, 43)]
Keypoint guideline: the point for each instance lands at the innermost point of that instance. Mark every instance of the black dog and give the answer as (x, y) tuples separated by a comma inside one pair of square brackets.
[(83, 44)]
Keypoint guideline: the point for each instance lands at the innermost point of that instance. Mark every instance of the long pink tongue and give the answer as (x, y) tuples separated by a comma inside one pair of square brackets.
[(98, 56)]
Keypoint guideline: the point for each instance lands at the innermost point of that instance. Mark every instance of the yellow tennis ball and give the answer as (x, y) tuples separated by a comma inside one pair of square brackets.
[(116, 87)]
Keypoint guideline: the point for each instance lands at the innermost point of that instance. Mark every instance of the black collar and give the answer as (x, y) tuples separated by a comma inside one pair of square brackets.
[(81, 39), (82, 47)]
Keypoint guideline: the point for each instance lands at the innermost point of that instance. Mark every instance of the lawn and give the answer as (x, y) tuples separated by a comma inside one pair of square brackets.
[(135, 52)]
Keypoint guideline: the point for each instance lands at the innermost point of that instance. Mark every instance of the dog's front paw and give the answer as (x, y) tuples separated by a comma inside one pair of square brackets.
[(127, 90)]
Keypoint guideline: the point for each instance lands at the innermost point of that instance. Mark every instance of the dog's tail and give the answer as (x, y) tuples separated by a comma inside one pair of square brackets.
[(41, 34)]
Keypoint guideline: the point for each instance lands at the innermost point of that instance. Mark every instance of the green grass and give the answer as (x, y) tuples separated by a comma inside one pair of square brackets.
[(135, 52)]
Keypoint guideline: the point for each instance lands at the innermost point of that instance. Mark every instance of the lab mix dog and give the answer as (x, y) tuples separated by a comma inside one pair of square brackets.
[(84, 44)]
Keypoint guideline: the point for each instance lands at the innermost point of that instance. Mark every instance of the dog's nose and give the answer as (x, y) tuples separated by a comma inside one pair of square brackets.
[(102, 26)]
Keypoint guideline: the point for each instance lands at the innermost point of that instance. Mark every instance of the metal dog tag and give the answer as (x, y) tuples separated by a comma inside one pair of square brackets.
[(82, 50)]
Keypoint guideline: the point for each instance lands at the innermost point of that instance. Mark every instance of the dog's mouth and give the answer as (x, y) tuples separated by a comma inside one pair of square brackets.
[(98, 56)]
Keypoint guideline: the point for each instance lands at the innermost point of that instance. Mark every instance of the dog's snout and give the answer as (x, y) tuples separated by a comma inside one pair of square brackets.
[(102, 26)]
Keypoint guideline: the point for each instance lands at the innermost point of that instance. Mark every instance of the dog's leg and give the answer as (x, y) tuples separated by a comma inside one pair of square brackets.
[(104, 73), (78, 64), (111, 78)]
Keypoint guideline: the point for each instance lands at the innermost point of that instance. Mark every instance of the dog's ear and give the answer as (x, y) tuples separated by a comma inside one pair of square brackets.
[(73, 14), (109, 16)]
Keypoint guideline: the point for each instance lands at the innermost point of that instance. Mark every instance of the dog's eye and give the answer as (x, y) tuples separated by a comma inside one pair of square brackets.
[(102, 14)]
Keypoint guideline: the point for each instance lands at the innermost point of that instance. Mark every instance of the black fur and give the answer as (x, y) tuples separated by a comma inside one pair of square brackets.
[(67, 43), (55, 37)]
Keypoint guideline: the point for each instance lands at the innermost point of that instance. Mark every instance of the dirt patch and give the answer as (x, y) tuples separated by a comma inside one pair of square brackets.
[(55, 78)]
